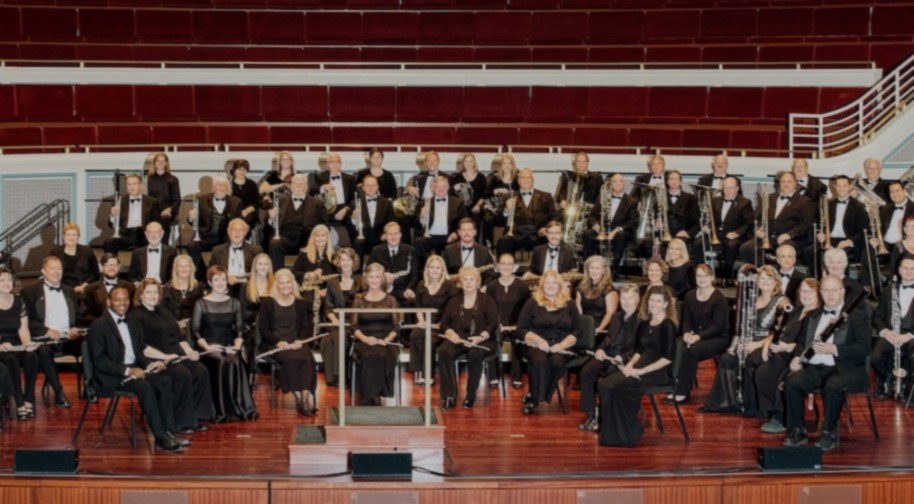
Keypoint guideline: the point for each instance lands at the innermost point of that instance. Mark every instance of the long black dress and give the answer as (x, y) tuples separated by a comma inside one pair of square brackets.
[(466, 322), (337, 297), (425, 299), (510, 300), (681, 279), (15, 362), (620, 340), (553, 326), (595, 306), (79, 268), (161, 331), (289, 323), (220, 322), (181, 302), (620, 396), (768, 375), (710, 320), (387, 183), (377, 363)]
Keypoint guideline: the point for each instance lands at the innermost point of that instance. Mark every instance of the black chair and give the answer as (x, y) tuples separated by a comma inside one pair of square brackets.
[(847, 403), (114, 396), (587, 341), (493, 359), (669, 388)]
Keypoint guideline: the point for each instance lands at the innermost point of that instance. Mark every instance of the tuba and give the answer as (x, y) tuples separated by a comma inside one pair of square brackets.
[(644, 222), (576, 211)]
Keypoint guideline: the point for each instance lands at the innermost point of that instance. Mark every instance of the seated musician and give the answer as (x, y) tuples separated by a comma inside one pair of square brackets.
[(400, 262), (596, 295), (118, 356), (532, 209), (236, 256), (847, 219), (500, 186), (681, 214), (469, 185), (435, 290), (422, 186), (790, 275), (680, 275), (807, 185), (162, 185), (298, 214), (246, 190), (621, 221), (733, 218), (374, 212), (549, 325), (155, 259), (655, 176), (342, 186), (279, 178), (17, 351), (656, 271), (715, 180), (904, 247), (552, 255), (130, 218), (872, 179), (470, 317), (95, 299), (316, 256), (386, 182), (610, 354), (891, 215), (80, 266), (837, 363), (436, 220), (584, 183), (340, 294), (510, 293), (894, 307), (790, 217), (216, 210), (836, 265), (466, 251)]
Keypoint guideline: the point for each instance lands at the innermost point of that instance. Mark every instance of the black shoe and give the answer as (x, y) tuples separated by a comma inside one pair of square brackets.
[(493, 384), (93, 398), (448, 403), (303, 411), (181, 441), (186, 430), (61, 401), (468, 403), (169, 445), (883, 391), (797, 437), (587, 422), (333, 383), (528, 409), (526, 399), (517, 384), (200, 428), (828, 441)]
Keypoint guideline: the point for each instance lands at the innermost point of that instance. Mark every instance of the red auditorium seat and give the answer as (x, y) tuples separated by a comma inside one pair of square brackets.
[(333, 27), (44, 102), (672, 24), (743, 103), (501, 28), (717, 23), (125, 135), (362, 104), (433, 104), (615, 27), (238, 135), (559, 28), (240, 103), (841, 21), (171, 26), (605, 137), (486, 136), (294, 103), (785, 22), (173, 135), (446, 28), (49, 23), (298, 135), (495, 104), (781, 101), (558, 103), (276, 27), (687, 102), (362, 135), (546, 136), (100, 103), (390, 27), (69, 135), (107, 24), (157, 103), (414, 135)]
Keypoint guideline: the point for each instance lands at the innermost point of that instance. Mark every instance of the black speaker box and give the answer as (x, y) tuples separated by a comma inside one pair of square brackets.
[(795, 458), (385, 465), (47, 461)]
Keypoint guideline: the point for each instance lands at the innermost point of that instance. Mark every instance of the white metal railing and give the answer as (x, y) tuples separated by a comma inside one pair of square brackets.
[(835, 132)]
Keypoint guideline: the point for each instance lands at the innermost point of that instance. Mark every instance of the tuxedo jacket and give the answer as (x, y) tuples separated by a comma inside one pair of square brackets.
[(793, 284), (95, 298), (221, 252), (536, 215), (853, 340), (233, 207), (707, 180), (384, 213), (683, 215), (589, 184), (795, 219), (644, 178), (139, 263), (33, 296), (423, 178), (349, 185), (455, 211), (406, 258), (297, 223), (814, 188), (886, 211), (626, 216), (148, 212), (107, 350), (738, 220), (882, 317), (566, 261), (453, 256), (855, 218), (881, 188)]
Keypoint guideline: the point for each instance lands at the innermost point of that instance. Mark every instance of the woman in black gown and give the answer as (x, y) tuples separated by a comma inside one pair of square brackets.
[(650, 366), (183, 291), (259, 286), (387, 184), (377, 358), (317, 254), (285, 320), (14, 332), (433, 291), (509, 293), (218, 329), (474, 182), (596, 295), (681, 274), (550, 325), (246, 190), (164, 342), (469, 317), (80, 266), (341, 292), (162, 185)]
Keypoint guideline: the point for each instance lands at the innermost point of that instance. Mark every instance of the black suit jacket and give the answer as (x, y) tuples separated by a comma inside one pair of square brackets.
[(626, 214), (852, 339), (293, 226), (207, 209), (423, 178), (795, 219), (349, 185), (589, 184), (455, 211), (95, 298), (882, 317), (793, 284), (107, 350), (139, 265), (453, 257), (406, 258), (566, 260), (814, 188), (707, 179), (384, 213), (148, 213), (886, 211), (33, 297), (855, 219), (535, 216), (683, 215), (738, 220), (220, 255), (644, 178)]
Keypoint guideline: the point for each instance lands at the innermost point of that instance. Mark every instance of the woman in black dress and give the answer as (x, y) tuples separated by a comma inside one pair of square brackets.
[(164, 342), (650, 366), (469, 317), (681, 274), (218, 329), (499, 186), (183, 291), (615, 350), (509, 293), (80, 266), (284, 322), (162, 185), (433, 291), (259, 286), (470, 186), (387, 184), (14, 333), (550, 325), (341, 292), (245, 189), (656, 271), (374, 332), (317, 254), (279, 177), (596, 295), (705, 329)]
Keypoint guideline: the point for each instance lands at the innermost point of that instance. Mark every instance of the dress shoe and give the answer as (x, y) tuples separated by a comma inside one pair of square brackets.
[(186, 430), (468, 403), (797, 437), (303, 411), (448, 403), (200, 428), (516, 384), (169, 445), (528, 409), (680, 399), (587, 422), (493, 384), (22, 413), (335, 382), (527, 398), (828, 441), (93, 398), (883, 391), (773, 426), (61, 401), (181, 441)]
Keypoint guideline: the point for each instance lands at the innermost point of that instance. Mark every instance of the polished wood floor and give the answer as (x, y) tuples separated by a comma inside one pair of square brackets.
[(485, 440)]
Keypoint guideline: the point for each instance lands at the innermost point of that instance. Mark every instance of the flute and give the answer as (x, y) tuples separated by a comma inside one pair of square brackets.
[(187, 357), (416, 326), (300, 342), (147, 370), (620, 364), (560, 352), (467, 343)]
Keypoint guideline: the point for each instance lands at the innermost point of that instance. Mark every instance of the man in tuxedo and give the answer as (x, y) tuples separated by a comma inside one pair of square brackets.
[(236, 256), (733, 216), (872, 179), (790, 217), (790, 275), (715, 180), (96, 294), (807, 185), (298, 214), (374, 212), (343, 186), (620, 225), (656, 175), (836, 363), (155, 260), (589, 183), (893, 214), (553, 255), (401, 264), (131, 216), (116, 346), (681, 214), (422, 186), (532, 209), (847, 218), (436, 220), (51, 310), (216, 210), (887, 342), (466, 251)]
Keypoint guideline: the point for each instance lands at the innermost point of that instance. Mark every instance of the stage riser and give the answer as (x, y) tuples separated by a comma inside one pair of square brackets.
[(356, 435)]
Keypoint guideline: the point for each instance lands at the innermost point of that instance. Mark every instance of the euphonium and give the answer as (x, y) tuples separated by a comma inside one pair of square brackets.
[(405, 205), (330, 200)]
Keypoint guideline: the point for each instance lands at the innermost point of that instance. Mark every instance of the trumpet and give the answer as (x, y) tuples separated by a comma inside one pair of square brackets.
[(117, 203), (426, 216)]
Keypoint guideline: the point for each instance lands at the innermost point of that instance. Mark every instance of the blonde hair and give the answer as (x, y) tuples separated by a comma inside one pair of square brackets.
[(659, 290), (603, 286), (252, 293), (311, 248), (374, 268), (285, 272), (276, 165), (561, 299), (463, 158), (469, 270), (426, 277), (773, 273), (151, 170), (679, 244), (192, 280)]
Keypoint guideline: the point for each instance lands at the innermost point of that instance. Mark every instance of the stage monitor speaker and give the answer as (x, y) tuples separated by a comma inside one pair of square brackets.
[(795, 458), (46, 461), (383, 465)]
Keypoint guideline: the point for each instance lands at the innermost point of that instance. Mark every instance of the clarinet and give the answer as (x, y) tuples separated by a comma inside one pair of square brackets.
[(832, 328), (899, 373)]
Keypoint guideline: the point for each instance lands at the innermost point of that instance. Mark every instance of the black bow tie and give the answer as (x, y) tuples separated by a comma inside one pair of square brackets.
[(238, 249), (553, 250), (111, 284), (718, 178), (440, 200), (56, 289), (829, 312), (298, 200), (153, 251), (526, 194), (784, 273), (617, 197), (802, 182), (218, 200), (785, 198), (908, 286), (335, 177), (371, 200), (135, 200), (840, 202), (466, 249), (729, 201), (656, 177), (897, 208), (121, 320), (674, 197)]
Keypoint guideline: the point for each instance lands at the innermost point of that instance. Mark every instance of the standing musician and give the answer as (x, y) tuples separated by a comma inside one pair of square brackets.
[(896, 303), (236, 256), (790, 275), (715, 179), (733, 217), (95, 297), (510, 294), (655, 176), (246, 190), (342, 186), (589, 183), (120, 363), (872, 179), (466, 251), (162, 185), (131, 217), (807, 185), (500, 184), (216, 209), (468, 317), (552, 255), (436, 220), (838, 364), (155, 259), (279, 178), (469, 185), (790, 217), (386, 183), (847, 219), (622, 219), (681, 213), (374, 212), (298, 214), (549, 325), (532, 210), (400, 262)]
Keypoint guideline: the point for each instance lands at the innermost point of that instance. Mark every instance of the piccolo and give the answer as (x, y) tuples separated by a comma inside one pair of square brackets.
[(467, 343), (561, 352), (300, 342)]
